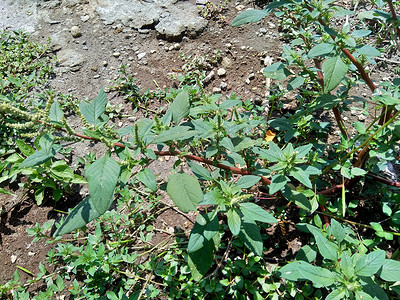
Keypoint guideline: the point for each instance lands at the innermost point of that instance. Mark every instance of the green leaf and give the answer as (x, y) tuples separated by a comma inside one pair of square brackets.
[(3, 191), (55, 113), (48, 151), (102, 176), (321, 50), (146, 177), (368, 51), (372, 288), (178, 133), (251, 236), (247, 181), (204, 229), (368, 265), (338, 294), (278, 181), (337, 231), (180, 107), (334, 70), (346, 265), (93, 110), (234, 220), (360, 33), (254, 212), (200, 261), (276, 71), (24, 148), (300, 270), (358, 172), (327, 248), (307, 254), (301, 176), (249, 16), (295, 83), (185, 191), (80, 215), (390, 270), (61, 170)]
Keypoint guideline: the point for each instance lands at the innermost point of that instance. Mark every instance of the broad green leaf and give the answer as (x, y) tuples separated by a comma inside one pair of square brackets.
[(227, 143), (372, 288), (39, 195), (200, 172), (234, 220), (247, 181), (214, 197), (24, 148), (255, 213), (303, 150), (346, 265), (307, 254), (334, 70), (203, 230), (102, 176), (273, 154), (327, 248), (300, 270), (278, 182), (295, 83), (201, 260), (146, 177), (360, 295), (320, 50), (178, 133), (301, 176), (368, 265), (251, 236), (230, 103), (337, 231), (55, 113), (93, 110), (360, 33), (185, 191), (180, 107), (80, 215), (62, 170), (249, 16), (368, 51), (48, 151), (338, 294), (358, 172), (276, 71), (390, 270), (246, 143)]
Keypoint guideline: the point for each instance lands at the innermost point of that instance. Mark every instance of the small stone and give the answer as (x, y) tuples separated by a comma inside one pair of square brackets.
[(221, 72), (120, 124), (96, 76), (201, 2), (94, 68), (13, 258), (268, 61), (216, 90), (116, 54), (262, 30), (258, 101), (228, 45), (130, 58), (251, 76), (153, 51), (141, 55), (105, 63), (271, 25), (247, 81), (85, 18), (240, 7), (76, 32), (354, 112), (223, 86), (226, 62), (362, 117), (31, 253), (176, 46), (209, 77)]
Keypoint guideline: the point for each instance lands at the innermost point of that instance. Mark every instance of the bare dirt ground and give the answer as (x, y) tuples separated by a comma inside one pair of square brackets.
[(89, 59)]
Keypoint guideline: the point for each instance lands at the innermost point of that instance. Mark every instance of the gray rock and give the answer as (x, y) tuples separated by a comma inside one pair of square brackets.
[(221, 72), (223, 86), (116, 54), (71, 59), (209, 77), (76, 31), (251, 76), (226, 62), (216, 90), (141, 55)]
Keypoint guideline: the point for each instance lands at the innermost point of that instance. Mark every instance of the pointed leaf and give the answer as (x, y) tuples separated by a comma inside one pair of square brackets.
[(201, 260), (146, 177), (102, 177), (338, 294), (180, 107), (300, 270), (178, 133), (277, 183), (251, 236), (255, 213), (185, 191), (234, 221), (247, 181), (368, 265), (337, 231), (334, 70), (390, 270), (249, 16), (301, 176), (202, 232), (200, 172), (327, 248), (320, 50), (48, 151), (93, 110), (307, 254), (55, 113)]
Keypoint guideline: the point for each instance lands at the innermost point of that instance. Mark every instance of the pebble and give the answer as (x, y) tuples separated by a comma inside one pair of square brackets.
[(268, 61), (226, 62), (271, 25), (209, 77), (116, 54), (228, 45), (13, 258), (240, 7), (96, 76), (262, 30), (221, 72), (247, 81), (223, 86), (85, 18), (141, 55), (76, 32), (94, 68), (362, 117), (105, 63), (251, 76), (216, 90)]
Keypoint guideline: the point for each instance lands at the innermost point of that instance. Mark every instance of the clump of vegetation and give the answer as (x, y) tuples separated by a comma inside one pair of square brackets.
[(237, 161)]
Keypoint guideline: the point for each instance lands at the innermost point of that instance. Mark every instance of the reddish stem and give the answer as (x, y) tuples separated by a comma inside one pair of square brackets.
[(393, 12)]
